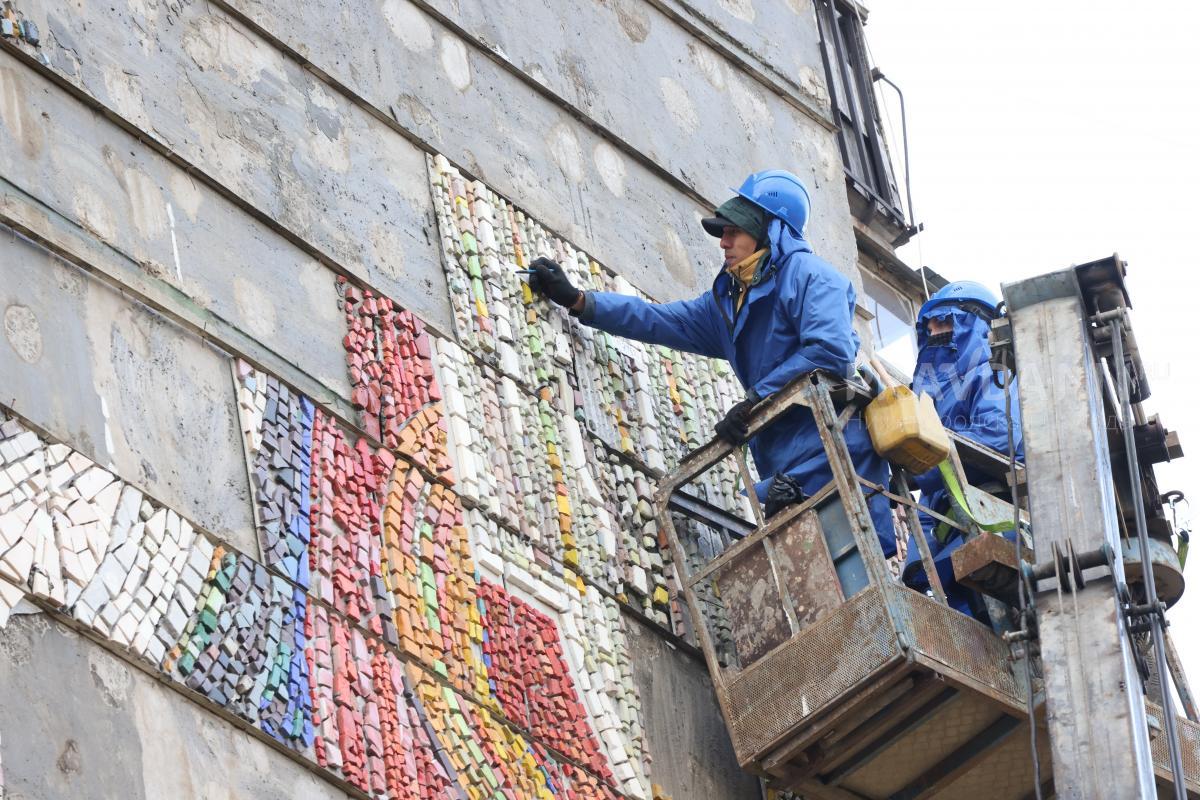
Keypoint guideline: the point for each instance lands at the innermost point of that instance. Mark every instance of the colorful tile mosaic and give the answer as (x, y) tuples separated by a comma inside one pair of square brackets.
[(368, 729), (515, 482), (346, 522), (278, 432), (388, 355), (250, 639), (431, 578), (243, 647), (576, 500), (521, 648), (417, 589), (592, 640), (596, 650), (591, 416), (645, 401), (212, 619)]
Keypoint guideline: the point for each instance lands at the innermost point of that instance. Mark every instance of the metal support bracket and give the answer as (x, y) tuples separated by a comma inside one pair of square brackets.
[(1063, 568)]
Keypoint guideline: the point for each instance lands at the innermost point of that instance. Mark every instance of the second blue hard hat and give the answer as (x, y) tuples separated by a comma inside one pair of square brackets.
[(969, 294)]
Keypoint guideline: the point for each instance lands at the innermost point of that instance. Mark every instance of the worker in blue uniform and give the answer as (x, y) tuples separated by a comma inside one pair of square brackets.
[(952, 366), (775, 311)]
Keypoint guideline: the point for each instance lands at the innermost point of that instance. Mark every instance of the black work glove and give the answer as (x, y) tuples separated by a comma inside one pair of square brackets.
[(735, 427), (548, 279), (783, 492)]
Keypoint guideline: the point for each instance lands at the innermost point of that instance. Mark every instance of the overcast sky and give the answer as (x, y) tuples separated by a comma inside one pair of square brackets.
[(1044, 134)]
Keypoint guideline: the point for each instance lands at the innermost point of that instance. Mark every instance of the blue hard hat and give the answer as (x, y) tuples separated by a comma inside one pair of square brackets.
[(780, 194), (968, 294)]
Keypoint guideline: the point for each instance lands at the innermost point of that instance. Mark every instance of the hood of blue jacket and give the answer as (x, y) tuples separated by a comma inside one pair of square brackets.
[(968, 347), (959, 378), (783, 241)]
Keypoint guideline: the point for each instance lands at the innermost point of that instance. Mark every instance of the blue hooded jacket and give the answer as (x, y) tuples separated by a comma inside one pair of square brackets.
[(959, 379), (797, 317)]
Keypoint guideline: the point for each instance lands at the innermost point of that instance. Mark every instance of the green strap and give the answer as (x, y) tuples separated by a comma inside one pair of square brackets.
[(942, 532)]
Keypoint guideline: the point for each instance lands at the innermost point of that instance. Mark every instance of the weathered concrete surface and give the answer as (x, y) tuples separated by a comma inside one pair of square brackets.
[(693, 757), (76, 721), (330, 173), (268, 131), (778, 35), (686, 106), (181, 232), (523, 144), (125, 387)]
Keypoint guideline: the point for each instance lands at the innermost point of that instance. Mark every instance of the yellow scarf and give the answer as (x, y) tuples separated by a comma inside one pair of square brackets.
[(743, 272)]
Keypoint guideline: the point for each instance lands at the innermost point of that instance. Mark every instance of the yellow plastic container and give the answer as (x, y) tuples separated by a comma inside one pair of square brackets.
[(906, 430)]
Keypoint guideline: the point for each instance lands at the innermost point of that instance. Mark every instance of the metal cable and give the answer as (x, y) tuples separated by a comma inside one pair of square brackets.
[(1157, 614), (1028, 641)]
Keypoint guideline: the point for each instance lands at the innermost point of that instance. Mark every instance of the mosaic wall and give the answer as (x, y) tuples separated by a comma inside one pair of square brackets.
[(134, 572), (411, 699), (435, 610), (591, 420)]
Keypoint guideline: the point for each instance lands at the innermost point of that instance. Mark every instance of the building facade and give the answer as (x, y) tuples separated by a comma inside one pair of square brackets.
[(302, 494)]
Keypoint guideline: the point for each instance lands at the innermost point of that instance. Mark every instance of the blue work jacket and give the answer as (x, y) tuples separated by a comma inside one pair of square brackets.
[(959, 379), (797, 317)]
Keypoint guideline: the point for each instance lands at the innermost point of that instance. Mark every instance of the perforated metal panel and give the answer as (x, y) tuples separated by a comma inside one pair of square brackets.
[(959, 643), (1189, 743), (1004, 773), (816, 667), (896, 766)]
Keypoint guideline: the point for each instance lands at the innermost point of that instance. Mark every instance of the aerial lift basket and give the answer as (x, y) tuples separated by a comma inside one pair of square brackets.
[(834, 679)]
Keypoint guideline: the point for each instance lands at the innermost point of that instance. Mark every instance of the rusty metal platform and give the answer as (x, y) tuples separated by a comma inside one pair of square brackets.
[(1189, 741), (891, 695), (836, 681)]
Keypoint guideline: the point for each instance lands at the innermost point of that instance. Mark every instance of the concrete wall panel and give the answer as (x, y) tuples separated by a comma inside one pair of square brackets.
[(686, 106), (178, 229), (126, 735), (270, 132), (779, 36), (692, 754), (525, 145), (125, 387)]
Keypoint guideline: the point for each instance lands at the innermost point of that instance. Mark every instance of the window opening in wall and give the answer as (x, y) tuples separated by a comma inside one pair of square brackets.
[(892, 329), (851, 92)]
